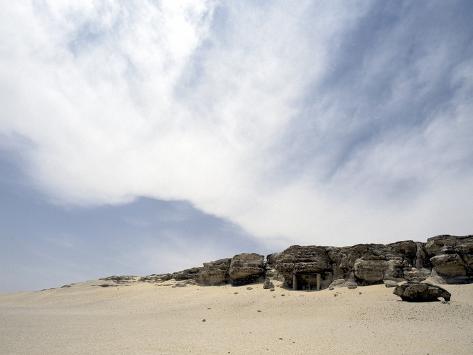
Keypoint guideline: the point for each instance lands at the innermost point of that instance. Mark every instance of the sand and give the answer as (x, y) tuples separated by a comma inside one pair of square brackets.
[(150, 319)]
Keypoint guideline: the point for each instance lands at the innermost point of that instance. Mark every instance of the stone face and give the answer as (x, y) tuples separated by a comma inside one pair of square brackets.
[(421, 292), (304, 262), (214, 272), (246, 268), (451, 258), (449, 265), (434, 245), (407, 249), (396, 269), (187, 274), (370, 271)]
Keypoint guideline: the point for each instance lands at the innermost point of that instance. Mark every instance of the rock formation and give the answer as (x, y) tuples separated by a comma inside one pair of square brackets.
[(451, 258), (246, 268), (413, 291), (214, 272), (446, 258)]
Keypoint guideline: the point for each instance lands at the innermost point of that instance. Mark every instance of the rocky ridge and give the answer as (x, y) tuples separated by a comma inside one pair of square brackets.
[(445, 258)]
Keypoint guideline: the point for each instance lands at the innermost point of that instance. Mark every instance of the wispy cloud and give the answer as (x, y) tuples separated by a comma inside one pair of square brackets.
[(322, 122)]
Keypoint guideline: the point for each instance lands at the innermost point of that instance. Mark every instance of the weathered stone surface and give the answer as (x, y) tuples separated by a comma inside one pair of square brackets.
[(187, 274), (370, 271), (435, 244), (406, 249), (396, 268), (449, 265), (156, 278), (451, 258), (415, 274), (446, 258), (390, 283), (271, 259), (273, 274), (421, 292), (214, 272), (246, 268), (309, 260), (268, 284)]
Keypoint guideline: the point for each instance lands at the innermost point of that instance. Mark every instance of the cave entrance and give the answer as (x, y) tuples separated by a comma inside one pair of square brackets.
[(306, 281)]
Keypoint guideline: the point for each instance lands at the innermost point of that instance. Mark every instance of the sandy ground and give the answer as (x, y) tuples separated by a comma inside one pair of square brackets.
[(150, 319)]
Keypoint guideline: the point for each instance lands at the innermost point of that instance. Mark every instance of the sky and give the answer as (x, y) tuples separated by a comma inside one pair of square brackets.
[(149, 136)]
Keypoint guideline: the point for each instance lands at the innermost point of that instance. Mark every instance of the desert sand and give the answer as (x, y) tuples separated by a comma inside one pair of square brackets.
[(158, 319)]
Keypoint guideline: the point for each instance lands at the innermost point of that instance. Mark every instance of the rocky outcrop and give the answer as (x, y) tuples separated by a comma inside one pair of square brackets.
[(214, 273), (370, 270), (187, 274), (154, 278), (363, 264), (451, 258), (447, 258), (296, 264), (421, 292), (246, 268)]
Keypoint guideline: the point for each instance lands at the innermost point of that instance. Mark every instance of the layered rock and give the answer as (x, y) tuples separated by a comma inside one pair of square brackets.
[(370, 269), (246, 268), (214, 273), (448, 258), (363, 264), (451, 258), (187, 274), (297, 264)]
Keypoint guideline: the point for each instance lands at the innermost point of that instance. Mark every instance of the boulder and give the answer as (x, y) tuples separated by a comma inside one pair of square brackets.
[(246, 268), (412, 291), (214, 272), (268, 284)]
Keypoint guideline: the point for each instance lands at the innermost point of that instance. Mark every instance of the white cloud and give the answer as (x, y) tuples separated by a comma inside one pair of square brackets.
[(192, 99)]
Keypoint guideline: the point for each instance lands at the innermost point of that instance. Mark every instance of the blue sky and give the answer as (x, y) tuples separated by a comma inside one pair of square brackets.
[(151, 136)]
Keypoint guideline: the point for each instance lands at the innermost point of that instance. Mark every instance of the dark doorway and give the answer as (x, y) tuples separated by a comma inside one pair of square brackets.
[(306, 281)]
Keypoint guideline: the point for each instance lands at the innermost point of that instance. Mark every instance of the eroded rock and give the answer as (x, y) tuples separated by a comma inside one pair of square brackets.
[(246, 268), (214, 272), (412, 291), (268, 284)]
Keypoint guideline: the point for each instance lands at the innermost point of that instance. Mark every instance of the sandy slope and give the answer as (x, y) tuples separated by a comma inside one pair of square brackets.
[(150, 319)]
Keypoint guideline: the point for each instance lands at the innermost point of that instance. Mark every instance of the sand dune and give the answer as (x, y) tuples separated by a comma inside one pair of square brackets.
[(159, 319)]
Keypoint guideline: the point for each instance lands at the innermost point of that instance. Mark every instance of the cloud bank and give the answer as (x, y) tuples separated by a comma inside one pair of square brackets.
[(323, 122)]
